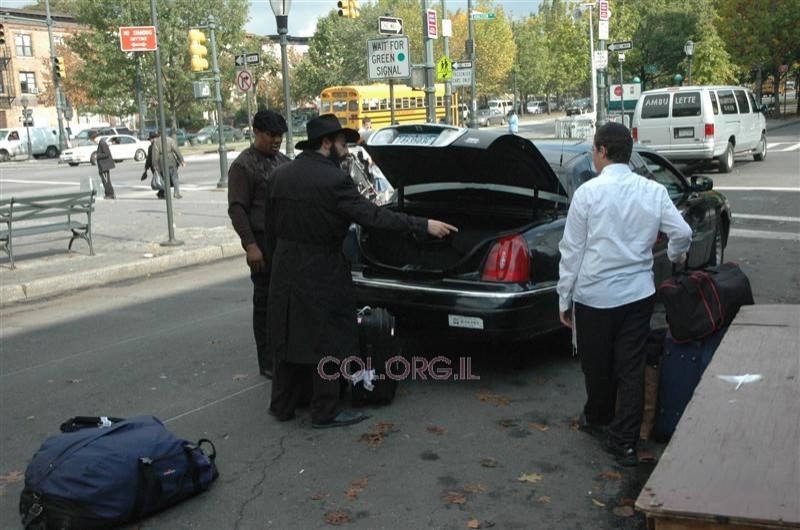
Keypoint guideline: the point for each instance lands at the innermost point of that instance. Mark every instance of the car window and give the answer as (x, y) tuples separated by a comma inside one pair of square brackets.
[(714, 104), (664, 176), (727, 102), (655, 106), (741, 99), (13, 136), (686, 104), (126, 140)]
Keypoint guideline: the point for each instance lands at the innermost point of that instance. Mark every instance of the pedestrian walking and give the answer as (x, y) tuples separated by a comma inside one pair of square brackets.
[(513, 122), (105, 163), (606, 289), (312, 309), (247, 180), (174, 160), (156, 183)]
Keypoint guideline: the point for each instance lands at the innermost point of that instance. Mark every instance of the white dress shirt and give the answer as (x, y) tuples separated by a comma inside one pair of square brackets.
[(607, 248)]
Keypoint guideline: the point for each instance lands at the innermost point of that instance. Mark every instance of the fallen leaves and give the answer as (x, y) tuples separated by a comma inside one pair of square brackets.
[(532, 478), (337, 517), (611, 475), (455, 497), (539, 426), (473, 523), (356, 487), (544, 499), (489, 462), (12, 477), (507, 423), (320, 496), (487, 396), (598, 503), (240, 377), (475, 488), (377, 433), (435, 429)]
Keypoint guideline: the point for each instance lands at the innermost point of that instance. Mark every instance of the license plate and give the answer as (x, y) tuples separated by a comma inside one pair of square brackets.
[(458, 321), (684, 132)]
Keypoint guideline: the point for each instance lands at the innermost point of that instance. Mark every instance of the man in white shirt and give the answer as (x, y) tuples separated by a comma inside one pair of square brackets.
[(606, 284)]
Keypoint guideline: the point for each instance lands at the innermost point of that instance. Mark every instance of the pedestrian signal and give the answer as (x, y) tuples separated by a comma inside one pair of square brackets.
[(2, 34), (197, 50), (59, 68)]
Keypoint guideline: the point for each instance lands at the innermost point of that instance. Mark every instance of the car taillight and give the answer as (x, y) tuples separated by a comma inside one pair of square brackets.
[(508, 261), (709, 130), (635, 134)]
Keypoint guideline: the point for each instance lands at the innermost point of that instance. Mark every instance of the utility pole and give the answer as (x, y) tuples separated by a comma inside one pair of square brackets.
[(223, 153), (473, 109), (140, 99), (162, 122), (56, 82), (430, 72), (448, 85)]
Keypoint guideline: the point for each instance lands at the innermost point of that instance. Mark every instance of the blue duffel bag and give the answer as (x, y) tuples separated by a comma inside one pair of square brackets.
[(112, 474)]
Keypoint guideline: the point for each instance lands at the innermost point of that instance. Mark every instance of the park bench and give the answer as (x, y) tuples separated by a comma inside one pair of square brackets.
[(29, 211), (734, 460)]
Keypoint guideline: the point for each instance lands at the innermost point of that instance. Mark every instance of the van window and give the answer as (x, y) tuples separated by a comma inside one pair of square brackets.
[(727, 102), (686, 104), (656, 106), (714, 104), (753, 106), (741, 99)]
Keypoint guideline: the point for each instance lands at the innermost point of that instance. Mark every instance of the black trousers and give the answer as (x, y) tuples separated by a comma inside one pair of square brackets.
[(260, 296), (105, 176), (611, 347), (290, 384)]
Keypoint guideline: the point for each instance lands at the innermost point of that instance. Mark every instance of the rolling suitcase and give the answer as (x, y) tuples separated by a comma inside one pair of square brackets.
[(378, 344), (682, 367)]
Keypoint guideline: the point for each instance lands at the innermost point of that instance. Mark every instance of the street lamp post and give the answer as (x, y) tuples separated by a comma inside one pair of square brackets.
[(24, 102), (281, 10), (590, 7), (688, 49)]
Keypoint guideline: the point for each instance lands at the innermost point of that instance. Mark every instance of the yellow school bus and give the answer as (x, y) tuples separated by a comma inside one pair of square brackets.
[(351, 104)]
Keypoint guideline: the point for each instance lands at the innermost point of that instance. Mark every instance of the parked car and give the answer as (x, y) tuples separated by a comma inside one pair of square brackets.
[(701, 123), (536, 107), (495, 279), (487, 117), (123, 147), (14, 142), (579, 106), (210, 135), (79, 138)]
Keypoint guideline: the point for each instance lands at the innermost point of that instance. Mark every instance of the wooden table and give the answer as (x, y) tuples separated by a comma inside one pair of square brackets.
[(734, 460)]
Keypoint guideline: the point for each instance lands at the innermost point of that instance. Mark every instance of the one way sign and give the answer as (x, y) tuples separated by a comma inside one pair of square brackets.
[(619, 46), (248, 59)]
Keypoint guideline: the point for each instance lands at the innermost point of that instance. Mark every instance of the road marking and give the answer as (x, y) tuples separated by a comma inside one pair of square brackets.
[(47, 182), (752, 188), (216, 401), (762, 234), (781, 218), (774, 147)]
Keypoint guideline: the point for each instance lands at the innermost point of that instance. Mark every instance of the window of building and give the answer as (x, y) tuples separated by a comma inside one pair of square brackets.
[(2, 86), (27, 83), (23, 45)]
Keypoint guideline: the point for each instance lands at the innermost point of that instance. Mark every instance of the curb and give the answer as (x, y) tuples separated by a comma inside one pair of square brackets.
[(62, 284)]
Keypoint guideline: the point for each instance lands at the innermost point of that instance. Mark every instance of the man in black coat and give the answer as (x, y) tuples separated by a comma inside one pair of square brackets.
[(312, 309), (105, 163)]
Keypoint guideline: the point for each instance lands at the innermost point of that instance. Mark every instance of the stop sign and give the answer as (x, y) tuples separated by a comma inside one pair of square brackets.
[(618, 90)]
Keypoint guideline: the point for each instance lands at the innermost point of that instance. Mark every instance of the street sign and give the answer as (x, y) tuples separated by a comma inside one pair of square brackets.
[(248, 59), (444, 68), (390, 26), (602, 29), (462, 74), (138, 38), (603, 11), (631, 92), (477, 15), (201, 89), (244, 80), (650, 68), (600, 59), (431, 24), (621, 57), (388, 58), (619, 46)]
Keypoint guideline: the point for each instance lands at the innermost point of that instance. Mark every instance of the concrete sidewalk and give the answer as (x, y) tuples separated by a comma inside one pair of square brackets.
[(127, 234)]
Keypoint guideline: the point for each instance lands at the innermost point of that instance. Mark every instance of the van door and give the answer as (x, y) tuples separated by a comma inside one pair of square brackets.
[(749, 126), (653, 126), (687, 127), (729, 122)]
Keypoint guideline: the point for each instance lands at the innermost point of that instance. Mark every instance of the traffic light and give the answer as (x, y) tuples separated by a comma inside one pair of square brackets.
[(2, 34), (197, 50), (354, 13), (348, 8), (59, 68)]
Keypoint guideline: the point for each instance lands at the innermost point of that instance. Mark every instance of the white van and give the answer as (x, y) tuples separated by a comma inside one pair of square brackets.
[(500, 106), (14, 142), (697, 123)]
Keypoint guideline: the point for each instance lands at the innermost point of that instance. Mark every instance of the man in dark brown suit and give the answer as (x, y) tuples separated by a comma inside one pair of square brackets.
[(312, 308), (247, 180)]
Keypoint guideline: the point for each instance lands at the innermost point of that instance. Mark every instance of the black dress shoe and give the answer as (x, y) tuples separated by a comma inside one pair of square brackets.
[(625, 454), (346, 417), (279, 417), (593, 429)]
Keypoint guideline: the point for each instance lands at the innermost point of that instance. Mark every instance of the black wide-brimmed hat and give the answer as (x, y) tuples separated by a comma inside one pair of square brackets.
[(153, 134), (323, 126)]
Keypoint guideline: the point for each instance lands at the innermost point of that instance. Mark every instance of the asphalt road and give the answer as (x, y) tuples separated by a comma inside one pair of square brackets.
[(179, 347)]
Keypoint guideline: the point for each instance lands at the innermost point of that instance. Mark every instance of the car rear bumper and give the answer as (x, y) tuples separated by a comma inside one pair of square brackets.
[(481, 311)]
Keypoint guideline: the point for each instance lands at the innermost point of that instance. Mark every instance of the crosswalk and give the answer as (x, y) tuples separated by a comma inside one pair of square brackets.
[(783, 147)]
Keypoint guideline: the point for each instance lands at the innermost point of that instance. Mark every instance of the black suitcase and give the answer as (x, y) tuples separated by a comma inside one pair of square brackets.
[(682, 367), (378, 344)]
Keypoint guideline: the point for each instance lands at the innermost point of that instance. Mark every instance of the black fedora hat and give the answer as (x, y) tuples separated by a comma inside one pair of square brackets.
[(323, 126)]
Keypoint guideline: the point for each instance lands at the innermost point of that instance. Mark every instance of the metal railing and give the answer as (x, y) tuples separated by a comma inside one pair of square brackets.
[(573, 127)]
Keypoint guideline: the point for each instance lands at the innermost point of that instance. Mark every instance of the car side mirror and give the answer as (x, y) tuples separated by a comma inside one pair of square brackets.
[(702, 183)]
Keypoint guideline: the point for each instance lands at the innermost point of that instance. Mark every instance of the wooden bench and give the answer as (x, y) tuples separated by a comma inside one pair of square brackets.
[(29, 210), (734, 460)]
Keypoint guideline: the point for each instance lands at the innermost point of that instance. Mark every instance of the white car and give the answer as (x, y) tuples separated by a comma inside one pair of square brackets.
[(123, 147)]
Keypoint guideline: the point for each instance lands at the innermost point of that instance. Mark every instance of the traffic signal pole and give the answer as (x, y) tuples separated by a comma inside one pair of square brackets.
[(62, 143), (430, 69), (223, 153)]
